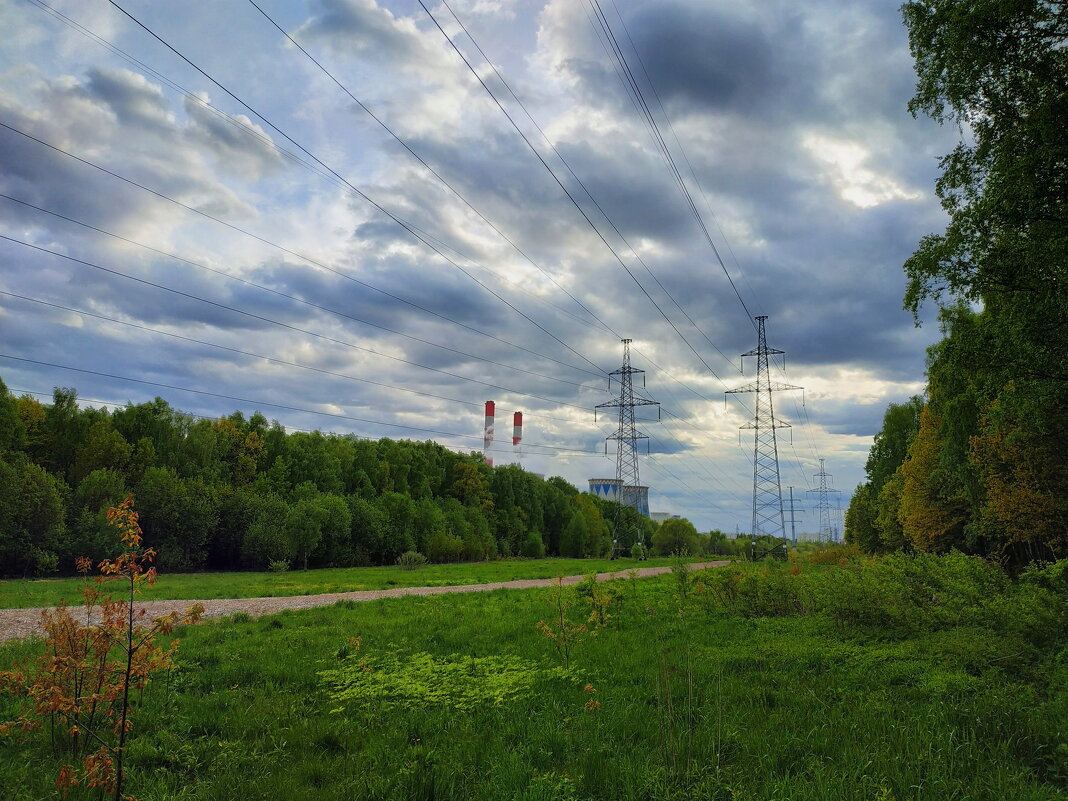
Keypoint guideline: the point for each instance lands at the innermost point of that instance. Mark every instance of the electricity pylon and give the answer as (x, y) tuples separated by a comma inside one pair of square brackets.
[(627, 433), (829, 531), (768, 517)]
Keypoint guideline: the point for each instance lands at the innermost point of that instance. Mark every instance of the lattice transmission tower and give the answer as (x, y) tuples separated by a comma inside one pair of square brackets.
[(829, 529), (768, 517), (627, 436)]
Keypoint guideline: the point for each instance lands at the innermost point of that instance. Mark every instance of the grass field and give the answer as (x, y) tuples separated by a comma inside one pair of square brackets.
[(756, 683), (23, 593)]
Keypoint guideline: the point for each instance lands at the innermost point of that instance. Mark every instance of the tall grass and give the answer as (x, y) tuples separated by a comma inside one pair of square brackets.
[(22, 593), (765, 699)]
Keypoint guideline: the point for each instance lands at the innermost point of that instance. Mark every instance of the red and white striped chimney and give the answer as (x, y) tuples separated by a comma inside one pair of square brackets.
[(487, 440), (517, 435)]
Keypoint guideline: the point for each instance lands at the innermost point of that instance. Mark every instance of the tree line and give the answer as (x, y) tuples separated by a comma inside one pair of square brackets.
[(980, 462), (241, 493)]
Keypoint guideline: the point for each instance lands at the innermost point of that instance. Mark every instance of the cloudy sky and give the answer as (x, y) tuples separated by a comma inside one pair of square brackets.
[(317, 209)]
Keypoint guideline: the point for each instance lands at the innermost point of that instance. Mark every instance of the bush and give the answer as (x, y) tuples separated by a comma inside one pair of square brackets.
[(833, 555), (410, 560), (444, 547), (278, 565), (639, 552), (900, 594), (533, 547)]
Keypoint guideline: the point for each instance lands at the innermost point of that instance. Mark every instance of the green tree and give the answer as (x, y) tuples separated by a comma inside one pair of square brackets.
[(179, 517), (33, 530), (999, 380), (266, 540), (104, 448), (12, 429), (676, 536), (574, 540)]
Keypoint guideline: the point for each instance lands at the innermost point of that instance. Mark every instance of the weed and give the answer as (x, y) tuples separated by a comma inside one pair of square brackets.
[(564, 633), (680, 569), (456, 682), (603, 598)]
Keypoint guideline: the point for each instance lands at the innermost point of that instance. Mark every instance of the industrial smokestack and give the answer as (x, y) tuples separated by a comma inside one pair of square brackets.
[(517, 436), (487, 441)]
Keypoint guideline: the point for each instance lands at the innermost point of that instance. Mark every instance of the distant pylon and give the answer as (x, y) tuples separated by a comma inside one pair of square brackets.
[(794, 512), (768, 517), (627, 434), (829, 531)]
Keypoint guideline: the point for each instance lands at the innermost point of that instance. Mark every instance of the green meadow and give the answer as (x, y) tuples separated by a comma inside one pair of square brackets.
[(23, 593), (893, 678)]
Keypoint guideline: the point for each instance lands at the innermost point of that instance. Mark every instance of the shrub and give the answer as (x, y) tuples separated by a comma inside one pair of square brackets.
[(410, 560), (444, 547), (833, 555), (533, 547), (639, 551), (278, 565)]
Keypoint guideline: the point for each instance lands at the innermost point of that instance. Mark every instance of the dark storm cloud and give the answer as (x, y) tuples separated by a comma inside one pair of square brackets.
[(722, 61)]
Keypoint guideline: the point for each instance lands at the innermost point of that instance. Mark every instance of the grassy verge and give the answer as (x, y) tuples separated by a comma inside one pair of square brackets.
[(24, 593), (702, 694)]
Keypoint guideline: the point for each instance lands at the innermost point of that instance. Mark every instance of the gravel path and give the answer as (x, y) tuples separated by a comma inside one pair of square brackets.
[(16, 623)]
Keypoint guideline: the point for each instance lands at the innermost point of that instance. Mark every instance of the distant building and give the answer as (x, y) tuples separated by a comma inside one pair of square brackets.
[(611, 488)]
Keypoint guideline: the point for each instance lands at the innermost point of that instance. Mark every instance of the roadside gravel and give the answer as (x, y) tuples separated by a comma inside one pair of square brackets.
[(17, 623)]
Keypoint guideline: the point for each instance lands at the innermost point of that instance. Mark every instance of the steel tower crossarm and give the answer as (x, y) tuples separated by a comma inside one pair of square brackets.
[(768, 514)]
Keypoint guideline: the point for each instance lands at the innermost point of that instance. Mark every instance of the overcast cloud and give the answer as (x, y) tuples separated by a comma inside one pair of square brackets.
[(323, 268)]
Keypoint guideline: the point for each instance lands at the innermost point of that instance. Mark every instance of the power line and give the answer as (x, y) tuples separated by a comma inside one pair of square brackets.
[(268, 403), (364, 196), (291, 252), (266, 358), (560, 183), (585, 189), (296, 159), (288, 427), (420, 159), (658, 136), (288, 296), (282, 324)]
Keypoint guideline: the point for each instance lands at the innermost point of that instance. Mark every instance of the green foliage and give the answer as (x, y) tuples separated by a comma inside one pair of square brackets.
[(33, 530), (266, 540), (444, 547), (420, 680), (533, 547), (712, 706), (871, 521), (237, 493), (984, 473), (574, 540), (12, 429), (278, 566), (676, 536), (410, 560), (604, 597)]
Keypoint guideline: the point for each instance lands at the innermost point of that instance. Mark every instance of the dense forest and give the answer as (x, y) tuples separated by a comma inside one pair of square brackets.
[(980, 463), (237, 493)]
